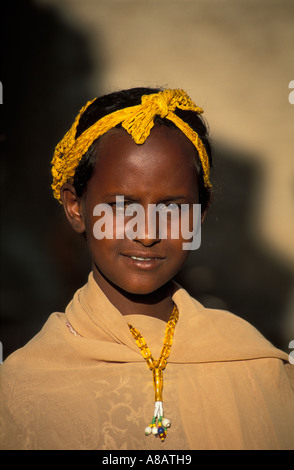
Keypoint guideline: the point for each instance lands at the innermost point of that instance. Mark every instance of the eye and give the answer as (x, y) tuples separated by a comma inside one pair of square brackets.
[(119, 206), (171, 207)]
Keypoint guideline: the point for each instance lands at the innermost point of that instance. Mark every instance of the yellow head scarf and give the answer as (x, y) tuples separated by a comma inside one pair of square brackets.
[(137, 121)]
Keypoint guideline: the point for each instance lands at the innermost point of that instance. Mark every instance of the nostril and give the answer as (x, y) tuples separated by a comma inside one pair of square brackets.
[(147, 241)]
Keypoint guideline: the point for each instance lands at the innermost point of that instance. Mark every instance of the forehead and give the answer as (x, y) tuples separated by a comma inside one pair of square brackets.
[(166, 160)]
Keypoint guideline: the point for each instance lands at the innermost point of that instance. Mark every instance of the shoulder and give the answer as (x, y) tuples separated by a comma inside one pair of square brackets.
[(28, 368), (289, 368), (40, 348), (219, 335), (29, 378)]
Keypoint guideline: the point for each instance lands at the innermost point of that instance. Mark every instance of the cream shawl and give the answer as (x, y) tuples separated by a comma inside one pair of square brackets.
[(225, 386)]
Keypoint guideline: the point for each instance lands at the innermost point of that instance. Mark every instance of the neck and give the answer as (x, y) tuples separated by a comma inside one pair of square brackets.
[(157, 304)]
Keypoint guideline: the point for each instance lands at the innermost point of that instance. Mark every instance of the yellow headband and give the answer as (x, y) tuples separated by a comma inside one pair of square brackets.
[(137, 121)]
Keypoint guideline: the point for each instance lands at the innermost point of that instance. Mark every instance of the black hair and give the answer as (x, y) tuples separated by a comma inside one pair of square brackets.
[(107, 104)]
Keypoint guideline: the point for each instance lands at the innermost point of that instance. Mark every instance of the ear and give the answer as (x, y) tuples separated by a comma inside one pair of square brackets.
[(72, 207)]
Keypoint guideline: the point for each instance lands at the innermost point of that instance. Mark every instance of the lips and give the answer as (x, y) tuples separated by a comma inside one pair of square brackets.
[(143, 261), (143, 256)]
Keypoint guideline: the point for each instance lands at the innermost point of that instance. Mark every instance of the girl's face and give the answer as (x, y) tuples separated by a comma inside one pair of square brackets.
[(161, 171)]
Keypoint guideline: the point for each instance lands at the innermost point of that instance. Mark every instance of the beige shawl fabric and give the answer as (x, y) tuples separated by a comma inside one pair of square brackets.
[(225, 386)]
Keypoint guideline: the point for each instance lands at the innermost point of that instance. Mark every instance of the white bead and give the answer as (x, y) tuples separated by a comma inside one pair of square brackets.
[(165, 423), (148, 431), (155, 431)]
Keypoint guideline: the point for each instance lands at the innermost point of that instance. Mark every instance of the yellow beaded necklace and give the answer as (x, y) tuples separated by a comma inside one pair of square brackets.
[(159, 423)]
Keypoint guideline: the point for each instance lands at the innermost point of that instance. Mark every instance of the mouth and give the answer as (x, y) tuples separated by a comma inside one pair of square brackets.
[(143, 260), (143, 256)]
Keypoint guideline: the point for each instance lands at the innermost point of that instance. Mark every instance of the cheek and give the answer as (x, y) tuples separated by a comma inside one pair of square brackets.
[(106, 223), (184, 225), (101, 240), (100, 250), (178, 255)]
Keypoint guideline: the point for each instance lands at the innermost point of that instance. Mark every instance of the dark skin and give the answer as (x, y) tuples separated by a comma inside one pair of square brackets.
[(162, 170)]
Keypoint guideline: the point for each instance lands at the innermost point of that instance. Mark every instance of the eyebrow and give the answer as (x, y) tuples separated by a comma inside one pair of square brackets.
[(174, 197), (114, 195)]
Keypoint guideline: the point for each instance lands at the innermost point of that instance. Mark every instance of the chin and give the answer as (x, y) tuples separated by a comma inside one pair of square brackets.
[(142, 288)]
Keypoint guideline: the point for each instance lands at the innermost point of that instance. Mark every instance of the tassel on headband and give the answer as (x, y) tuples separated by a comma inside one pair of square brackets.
[(137, 121)]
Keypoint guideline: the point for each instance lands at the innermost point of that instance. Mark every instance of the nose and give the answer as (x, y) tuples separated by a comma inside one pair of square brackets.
[(147, 242), (147, 228)]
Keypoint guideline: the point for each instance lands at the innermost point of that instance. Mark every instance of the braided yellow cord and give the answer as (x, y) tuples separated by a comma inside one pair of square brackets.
[(137, 121)]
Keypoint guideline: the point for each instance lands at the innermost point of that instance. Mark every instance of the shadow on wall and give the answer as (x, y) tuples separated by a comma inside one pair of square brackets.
[(46, 81), (230, 270), (45, 76)]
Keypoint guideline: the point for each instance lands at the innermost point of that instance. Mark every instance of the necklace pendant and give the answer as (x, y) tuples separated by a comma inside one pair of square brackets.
[(158, 383), (159, 424)]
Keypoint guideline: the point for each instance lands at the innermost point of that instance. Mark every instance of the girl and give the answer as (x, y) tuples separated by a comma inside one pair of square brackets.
[(131, 336)]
